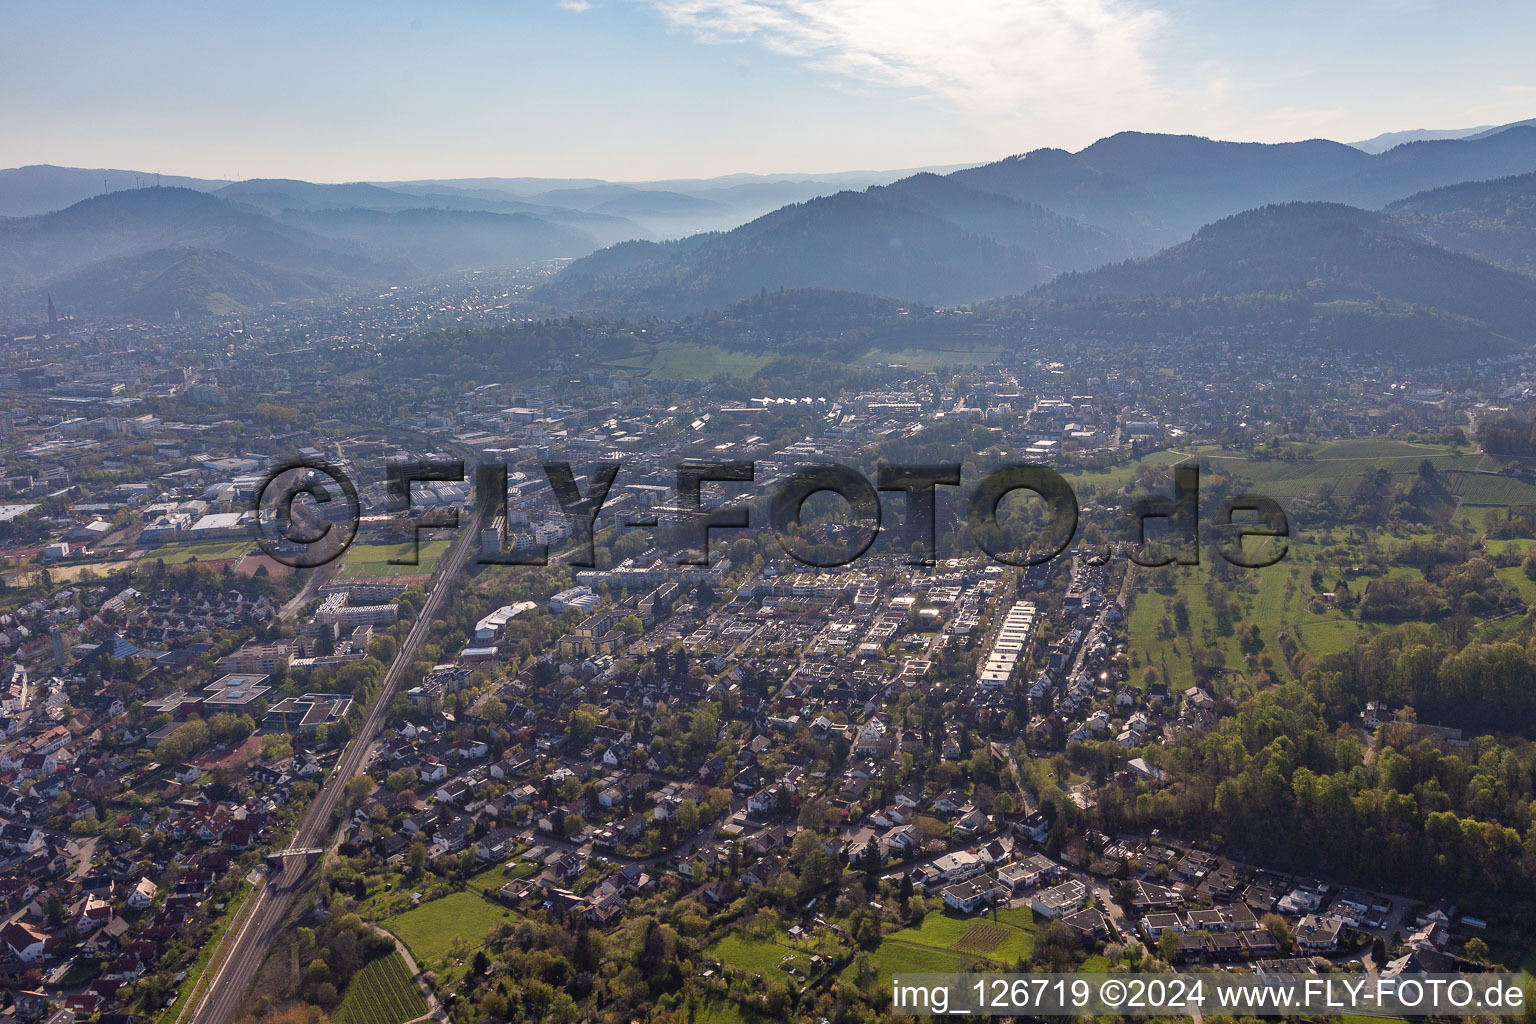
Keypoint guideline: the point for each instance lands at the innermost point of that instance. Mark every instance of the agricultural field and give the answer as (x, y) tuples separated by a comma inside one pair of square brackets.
[(982, 938), (1491, 490), (437, 930), (383, 992)]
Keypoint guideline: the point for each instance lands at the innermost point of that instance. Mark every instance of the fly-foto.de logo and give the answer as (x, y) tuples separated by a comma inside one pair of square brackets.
[(311, 532)]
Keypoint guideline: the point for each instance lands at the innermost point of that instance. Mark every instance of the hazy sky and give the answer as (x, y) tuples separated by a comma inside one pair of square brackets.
[(634, 89)]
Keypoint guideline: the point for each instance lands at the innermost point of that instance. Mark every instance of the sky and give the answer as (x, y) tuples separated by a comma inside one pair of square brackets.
[(650, 89)]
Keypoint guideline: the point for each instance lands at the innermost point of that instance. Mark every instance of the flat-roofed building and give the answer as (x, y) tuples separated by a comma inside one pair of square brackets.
[(308, 712), (234, 693)]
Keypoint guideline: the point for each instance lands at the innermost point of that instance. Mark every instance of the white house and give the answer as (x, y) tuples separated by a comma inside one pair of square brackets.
[(24, 942), (143, 894), (958, 866)]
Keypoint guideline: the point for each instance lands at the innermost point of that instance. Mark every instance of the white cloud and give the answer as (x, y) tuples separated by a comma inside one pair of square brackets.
[(1064, 66), (579, 6)]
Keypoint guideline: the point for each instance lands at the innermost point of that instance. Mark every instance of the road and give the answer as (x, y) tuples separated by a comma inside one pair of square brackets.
[(234, 965), (314, 580), (1125, 928)]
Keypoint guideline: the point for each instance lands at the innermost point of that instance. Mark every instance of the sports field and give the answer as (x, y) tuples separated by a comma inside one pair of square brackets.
[(365, 561)]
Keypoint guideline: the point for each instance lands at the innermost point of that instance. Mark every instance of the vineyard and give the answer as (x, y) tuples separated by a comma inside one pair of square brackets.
[(383, 992), (982, 938)]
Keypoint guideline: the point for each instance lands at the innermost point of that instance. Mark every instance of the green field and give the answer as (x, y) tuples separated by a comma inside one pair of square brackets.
[(721, 1011), (926, 360), (431, 929), (945, 941), (1335, 467), (364, 560), (210, 551), (896, 957), (1324, 635), (687, 361), (1515, 576), (1275, 599), (760, 956), (1113, 478), (1280, 599), (492, 878), (1172, 656), (383, 992)]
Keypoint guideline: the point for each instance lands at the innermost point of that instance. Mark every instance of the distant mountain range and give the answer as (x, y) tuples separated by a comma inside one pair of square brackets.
[(927, 238), (1335, 258), (92, 253), (56, 222), (285, 197), (111, 253), (660, 209), (1386, 140), (1008, 226), (1440, 231), (1332, 251), (44, 188)]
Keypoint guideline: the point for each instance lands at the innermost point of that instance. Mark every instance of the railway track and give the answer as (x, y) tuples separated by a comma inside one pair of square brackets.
[(221, 997)]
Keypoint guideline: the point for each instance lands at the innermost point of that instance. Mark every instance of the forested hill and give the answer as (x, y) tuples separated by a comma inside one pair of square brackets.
[(107, 254), (862, 242), (1322, 253), (1492, 219)]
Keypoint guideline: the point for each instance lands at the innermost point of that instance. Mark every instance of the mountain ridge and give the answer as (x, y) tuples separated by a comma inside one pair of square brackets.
[(1336, 258), (1135, 192), (301, 253)]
